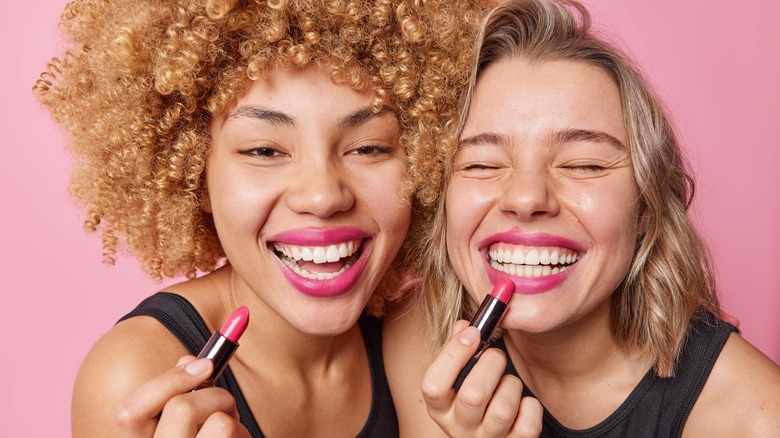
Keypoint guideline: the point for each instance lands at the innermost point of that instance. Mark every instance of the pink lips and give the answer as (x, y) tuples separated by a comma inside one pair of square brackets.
[(320, 237)]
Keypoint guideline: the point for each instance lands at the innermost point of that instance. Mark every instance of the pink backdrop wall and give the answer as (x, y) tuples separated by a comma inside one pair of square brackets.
[(715, 64)]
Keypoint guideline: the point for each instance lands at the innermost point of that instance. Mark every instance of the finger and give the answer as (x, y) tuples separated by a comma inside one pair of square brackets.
[(438, 379), (138, 411), (185, 360), (458, 327), (220, 424), (184, 414), (502, 410), (529, 420), (477, 391)]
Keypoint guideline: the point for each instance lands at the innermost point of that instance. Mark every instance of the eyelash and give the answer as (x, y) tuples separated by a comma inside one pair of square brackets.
[(478, 166), (372, 150), (265, 152), (586, 168)]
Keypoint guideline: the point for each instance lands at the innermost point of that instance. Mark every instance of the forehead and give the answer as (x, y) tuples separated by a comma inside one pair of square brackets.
[(297, 96), (528, 97)]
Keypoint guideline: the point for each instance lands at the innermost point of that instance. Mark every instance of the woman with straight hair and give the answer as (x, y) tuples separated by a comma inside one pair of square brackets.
[(568, 182)]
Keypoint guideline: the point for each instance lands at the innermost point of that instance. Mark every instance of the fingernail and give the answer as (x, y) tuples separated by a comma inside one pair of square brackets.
[(197, 366), (468, 336)]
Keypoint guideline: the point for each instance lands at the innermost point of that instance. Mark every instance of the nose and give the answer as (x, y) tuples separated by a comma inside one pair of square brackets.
[(529, 194), (321, 188)]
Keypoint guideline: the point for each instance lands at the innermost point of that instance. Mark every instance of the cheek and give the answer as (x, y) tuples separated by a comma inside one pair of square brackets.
[(382, 192), (609, 212), (240, 202), (466, 203)]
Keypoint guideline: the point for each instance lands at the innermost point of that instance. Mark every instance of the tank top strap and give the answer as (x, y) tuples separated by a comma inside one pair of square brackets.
[(382, 419)]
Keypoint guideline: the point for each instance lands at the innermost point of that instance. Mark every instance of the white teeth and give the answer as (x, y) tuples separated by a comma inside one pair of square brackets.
[(332, 255), (532, 258), (344, 251), (527, 270), (531, 262), (314, 275), (319, 254)]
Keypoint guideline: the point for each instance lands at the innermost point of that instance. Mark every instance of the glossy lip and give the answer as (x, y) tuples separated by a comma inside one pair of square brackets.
[(320, 237), (516, 237), (529, 285)]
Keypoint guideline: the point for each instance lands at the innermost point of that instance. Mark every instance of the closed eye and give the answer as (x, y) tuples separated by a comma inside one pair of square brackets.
[(586, 168), (477, 167)]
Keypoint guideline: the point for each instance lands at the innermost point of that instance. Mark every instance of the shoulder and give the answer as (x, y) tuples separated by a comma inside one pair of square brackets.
[(131, 353), (741, 396), (408, 352)]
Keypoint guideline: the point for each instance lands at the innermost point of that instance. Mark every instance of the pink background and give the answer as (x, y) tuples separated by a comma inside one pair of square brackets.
[(716, 66)]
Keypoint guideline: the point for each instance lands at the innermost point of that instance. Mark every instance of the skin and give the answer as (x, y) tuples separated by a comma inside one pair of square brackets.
[(514, 175), (306, 352)]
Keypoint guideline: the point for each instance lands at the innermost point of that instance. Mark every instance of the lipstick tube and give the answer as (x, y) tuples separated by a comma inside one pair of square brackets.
[(223, 344), (487, 319)]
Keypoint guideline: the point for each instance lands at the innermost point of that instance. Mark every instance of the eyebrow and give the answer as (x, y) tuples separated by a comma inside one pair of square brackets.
[(281, 119), (571, 135), (260, 113), (363, 115), (562, 136), (485, 138)]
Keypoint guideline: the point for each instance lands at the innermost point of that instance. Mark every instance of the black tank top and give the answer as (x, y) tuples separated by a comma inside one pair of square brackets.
[(180, 318), (657, 407)]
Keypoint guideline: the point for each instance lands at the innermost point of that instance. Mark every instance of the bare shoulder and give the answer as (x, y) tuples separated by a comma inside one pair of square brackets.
[(741, 396), (131, 353), (408, 352)]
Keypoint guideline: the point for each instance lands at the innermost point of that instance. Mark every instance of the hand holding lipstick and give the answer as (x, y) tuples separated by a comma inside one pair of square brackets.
[(167, 406), (183, 400), (465, 388)]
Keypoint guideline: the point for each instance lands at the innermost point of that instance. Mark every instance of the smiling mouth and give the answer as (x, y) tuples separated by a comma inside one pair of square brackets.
[(319, 262), (531, 261)]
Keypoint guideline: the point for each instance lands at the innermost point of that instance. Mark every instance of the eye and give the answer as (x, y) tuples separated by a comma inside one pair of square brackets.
[(372, 150), (478, 167), (265, 152)]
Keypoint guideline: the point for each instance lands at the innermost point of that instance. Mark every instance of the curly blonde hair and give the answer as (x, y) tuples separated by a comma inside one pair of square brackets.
[(670, 276), (143, 78)]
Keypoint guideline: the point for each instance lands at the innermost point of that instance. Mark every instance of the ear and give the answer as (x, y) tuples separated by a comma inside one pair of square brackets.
[(205, 200)]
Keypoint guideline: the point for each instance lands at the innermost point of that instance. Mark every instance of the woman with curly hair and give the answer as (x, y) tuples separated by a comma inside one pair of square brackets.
[(280, 149), (568, 182)]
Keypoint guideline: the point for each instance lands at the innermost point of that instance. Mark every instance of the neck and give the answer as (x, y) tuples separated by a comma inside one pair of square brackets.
[(573, 358)]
